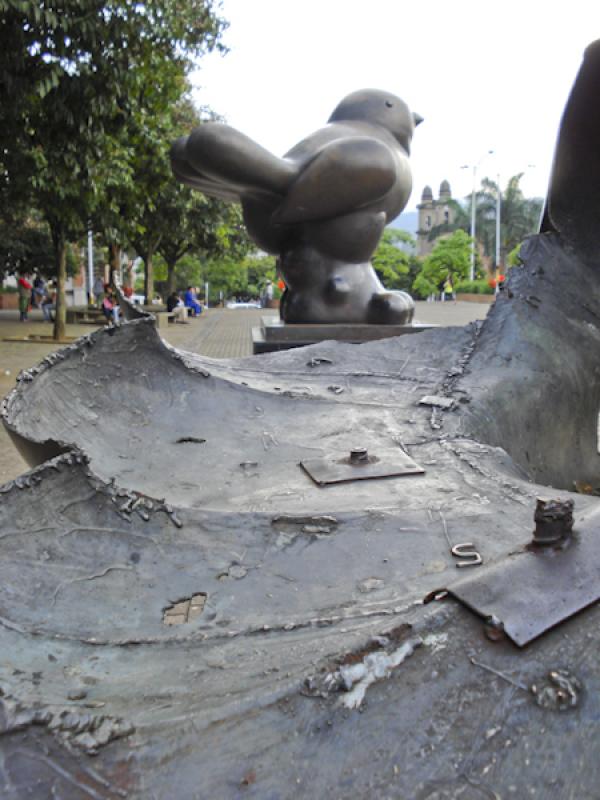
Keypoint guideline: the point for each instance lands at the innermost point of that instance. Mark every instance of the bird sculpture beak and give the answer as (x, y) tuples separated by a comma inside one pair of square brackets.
[(417, 118)]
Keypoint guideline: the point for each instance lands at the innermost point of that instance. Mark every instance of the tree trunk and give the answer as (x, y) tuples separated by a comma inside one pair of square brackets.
[(60, 313), (114, 260), (149, 276), (128, 275), (171, 277)]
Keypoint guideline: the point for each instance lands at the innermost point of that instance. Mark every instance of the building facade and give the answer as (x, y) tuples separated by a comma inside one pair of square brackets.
[(433, 214)]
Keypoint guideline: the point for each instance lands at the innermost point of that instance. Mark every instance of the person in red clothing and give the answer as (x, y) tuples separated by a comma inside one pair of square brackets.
[(24, 295)]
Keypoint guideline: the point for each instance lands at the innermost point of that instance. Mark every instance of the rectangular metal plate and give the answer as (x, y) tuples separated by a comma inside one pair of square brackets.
[(531, 592), (337, 469)]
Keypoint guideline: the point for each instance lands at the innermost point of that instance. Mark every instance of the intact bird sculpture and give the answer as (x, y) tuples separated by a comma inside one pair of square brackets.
[(322, 207)]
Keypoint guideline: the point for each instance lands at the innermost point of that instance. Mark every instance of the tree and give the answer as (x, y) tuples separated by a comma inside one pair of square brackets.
[(73, 73), (450, 256), (519, 217), (390, 262), (188, 222), (25, 247)]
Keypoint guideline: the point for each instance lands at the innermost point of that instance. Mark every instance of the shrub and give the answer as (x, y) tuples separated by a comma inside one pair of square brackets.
[(474, 287)]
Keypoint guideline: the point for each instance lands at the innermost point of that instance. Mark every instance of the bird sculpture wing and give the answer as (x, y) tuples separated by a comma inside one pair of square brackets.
[(185, 173), (345, 175), (223, 162)]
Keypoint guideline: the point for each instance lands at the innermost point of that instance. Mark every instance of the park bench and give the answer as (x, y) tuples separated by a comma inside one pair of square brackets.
[(163, 318), (84, 315)]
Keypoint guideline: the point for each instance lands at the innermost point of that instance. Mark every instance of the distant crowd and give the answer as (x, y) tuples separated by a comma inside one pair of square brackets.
[(35, 292)]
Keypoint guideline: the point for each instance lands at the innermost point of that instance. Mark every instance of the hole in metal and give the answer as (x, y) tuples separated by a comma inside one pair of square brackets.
[(185, 610)]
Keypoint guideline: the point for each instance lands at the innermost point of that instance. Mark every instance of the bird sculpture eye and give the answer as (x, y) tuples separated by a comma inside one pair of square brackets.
[(388, 104)]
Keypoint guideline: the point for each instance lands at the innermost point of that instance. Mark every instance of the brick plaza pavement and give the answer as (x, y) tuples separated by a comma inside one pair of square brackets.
[(227, 333), (218, 333)]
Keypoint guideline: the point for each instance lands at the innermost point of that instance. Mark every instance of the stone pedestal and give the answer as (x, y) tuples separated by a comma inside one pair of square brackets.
[(273, 334)]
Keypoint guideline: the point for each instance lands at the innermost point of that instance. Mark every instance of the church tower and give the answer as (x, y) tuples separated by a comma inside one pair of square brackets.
[(433, 214)]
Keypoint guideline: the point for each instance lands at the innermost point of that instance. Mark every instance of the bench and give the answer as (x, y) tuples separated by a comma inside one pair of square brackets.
[(84, 315), (163, 318)]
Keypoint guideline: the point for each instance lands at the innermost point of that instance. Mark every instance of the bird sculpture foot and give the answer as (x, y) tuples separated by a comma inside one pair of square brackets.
[(390, 308)]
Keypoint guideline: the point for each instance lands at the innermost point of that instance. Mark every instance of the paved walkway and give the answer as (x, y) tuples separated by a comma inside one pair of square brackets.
[(227, 333), (218, 333)]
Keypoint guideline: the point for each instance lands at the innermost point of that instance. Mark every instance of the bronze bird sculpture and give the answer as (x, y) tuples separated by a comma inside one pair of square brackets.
[(322, 207)]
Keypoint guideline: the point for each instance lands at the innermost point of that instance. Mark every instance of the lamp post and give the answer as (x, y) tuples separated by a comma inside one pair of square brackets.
[(498, 209), (90, 275), (473, 209)]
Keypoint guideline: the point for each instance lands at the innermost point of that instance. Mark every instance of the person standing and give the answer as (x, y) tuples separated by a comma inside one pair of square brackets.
[(98, 291), (25, 289), (39, 291), (449, 289)]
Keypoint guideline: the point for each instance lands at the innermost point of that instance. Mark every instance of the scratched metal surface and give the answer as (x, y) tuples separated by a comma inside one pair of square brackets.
[(216, 708), (296, 578), (100, 698)]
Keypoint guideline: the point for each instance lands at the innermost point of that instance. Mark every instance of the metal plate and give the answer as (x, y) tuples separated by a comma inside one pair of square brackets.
[(531, 592), (338, 469)]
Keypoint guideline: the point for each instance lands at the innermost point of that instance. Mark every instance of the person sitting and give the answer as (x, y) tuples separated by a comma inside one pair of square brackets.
[(48, 306), (191, 302), (110, 305), (175, 306)]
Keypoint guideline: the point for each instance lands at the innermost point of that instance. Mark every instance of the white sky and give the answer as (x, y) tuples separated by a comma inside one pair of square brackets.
[(484, 75)]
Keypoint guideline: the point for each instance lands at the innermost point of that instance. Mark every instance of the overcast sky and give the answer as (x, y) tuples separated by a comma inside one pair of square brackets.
[(484, 75)]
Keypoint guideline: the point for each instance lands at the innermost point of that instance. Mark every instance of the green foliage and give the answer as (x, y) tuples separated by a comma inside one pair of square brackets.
[(74, 76), (391, 263), (450, 256), (519, 217), (243, 278), (474, 287), (28, 247), (514, 257), (25, 248)]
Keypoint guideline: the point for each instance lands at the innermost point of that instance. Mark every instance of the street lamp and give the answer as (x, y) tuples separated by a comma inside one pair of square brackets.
[(473, 209), (498, 205)]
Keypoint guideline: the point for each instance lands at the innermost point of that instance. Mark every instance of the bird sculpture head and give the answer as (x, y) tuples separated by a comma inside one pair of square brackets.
[(379, 108)]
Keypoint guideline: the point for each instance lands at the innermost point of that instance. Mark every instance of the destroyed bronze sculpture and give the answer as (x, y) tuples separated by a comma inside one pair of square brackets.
[(186, 611), (322, 207)]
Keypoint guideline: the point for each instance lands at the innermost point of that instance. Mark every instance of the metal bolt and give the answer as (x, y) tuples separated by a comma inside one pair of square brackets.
[(553, 521), (359, 455)]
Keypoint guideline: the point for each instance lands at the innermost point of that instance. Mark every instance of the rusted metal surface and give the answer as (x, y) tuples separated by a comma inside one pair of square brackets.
[(553, 522), (530, 592)]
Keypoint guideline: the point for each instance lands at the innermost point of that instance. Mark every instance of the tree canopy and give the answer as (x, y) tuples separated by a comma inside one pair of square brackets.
[(450, 256), (75, 76), (391, 262), (519, 217)]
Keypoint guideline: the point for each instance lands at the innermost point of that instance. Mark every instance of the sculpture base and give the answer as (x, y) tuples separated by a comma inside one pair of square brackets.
[(278, 335)]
